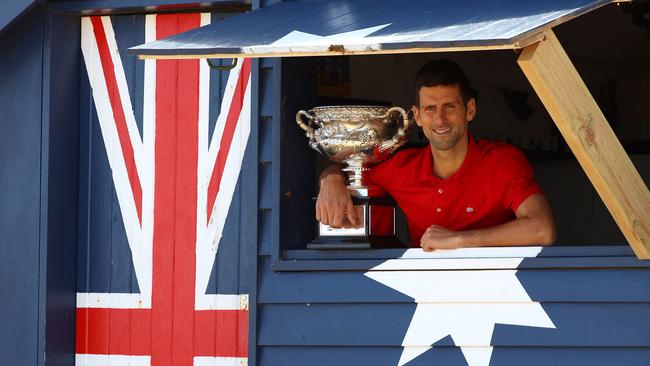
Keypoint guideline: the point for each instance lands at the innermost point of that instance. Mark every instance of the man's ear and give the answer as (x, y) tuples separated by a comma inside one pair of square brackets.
[(416, 115), (470, 109)]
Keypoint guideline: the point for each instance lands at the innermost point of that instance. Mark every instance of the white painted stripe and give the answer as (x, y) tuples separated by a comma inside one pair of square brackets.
[(220, 361), (450, 264), (497, 252), (203, 253), (124, 95), (222, 302), (229, 179), (147, 173), (208, 236), (111, 360), (229, 91), (206, 18), (113, 151), (112, 301)]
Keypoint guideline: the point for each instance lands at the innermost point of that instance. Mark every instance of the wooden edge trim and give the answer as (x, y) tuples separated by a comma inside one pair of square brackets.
[(339, 52), (591, 139)]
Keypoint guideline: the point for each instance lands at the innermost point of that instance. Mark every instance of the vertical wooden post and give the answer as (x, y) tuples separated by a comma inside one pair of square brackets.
[(586, 131)]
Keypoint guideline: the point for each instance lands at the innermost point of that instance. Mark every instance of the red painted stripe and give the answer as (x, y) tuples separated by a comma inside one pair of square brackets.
[(174, 258), (113, 331), (222, 333), (118, 112), (228, 133)]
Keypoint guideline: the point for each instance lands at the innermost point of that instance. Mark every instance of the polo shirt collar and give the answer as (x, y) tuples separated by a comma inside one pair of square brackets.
[(473, 156)]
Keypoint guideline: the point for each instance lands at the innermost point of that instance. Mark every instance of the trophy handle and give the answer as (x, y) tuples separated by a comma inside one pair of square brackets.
[(302, 125), (401, 132)]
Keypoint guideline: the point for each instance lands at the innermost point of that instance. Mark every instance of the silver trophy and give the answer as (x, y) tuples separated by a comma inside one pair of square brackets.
[(358, 136)]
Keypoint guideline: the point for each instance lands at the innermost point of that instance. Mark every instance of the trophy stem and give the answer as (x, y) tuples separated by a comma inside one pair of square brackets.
[(355, 171)]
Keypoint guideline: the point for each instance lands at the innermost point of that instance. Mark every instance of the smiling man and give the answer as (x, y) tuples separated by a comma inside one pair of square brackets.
[(456, 192)]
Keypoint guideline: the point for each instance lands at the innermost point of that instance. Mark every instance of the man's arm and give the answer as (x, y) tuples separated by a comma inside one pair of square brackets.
[(534, 225), (334, 205)]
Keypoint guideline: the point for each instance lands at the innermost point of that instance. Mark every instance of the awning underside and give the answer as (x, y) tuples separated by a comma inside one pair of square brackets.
[(321, 27)]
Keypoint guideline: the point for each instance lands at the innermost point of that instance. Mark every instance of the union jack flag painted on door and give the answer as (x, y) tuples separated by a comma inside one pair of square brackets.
[(162, 272)]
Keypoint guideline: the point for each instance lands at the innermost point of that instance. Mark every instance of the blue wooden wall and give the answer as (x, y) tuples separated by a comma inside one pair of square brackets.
[(314, 313), (38, 165), (322, 308), (20, 181), (597, 298)]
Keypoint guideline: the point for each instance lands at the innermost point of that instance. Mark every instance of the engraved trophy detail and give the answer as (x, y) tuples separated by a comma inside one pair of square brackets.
[(358, 136)]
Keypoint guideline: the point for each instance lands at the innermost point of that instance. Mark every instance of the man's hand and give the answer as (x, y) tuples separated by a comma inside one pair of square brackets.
[(334, 204), (437, 237)]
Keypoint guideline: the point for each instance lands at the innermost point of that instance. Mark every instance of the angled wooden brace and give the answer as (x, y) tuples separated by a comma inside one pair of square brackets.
[(586, 131)]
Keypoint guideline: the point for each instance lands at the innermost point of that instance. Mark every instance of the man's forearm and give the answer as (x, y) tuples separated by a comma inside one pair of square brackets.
[(521, 231)]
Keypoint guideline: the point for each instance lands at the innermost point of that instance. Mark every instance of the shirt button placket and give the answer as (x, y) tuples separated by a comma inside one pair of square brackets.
[(440, 192)]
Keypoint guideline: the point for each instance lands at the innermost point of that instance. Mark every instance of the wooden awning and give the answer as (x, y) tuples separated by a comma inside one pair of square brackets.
[(319, 27), (332, 27)]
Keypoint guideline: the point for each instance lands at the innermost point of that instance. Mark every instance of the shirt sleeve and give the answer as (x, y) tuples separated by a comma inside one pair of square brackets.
[(516, 177), (378, 175)]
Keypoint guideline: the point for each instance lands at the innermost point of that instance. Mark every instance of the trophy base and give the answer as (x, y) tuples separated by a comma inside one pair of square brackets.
[(376, 230), (349, 243)]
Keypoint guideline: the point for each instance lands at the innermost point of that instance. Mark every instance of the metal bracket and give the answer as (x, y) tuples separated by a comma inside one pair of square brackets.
[(222, 68)]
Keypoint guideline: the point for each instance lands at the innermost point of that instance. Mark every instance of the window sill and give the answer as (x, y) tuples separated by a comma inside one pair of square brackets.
[(461, 259)]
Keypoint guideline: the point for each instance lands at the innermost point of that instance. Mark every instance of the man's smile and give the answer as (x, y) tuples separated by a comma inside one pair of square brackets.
[(442, 131)]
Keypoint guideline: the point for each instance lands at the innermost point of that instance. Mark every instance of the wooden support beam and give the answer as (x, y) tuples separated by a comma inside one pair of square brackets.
[(586, 131)]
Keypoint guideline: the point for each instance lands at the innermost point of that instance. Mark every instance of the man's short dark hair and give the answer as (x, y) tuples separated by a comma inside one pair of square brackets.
[(443, 72)]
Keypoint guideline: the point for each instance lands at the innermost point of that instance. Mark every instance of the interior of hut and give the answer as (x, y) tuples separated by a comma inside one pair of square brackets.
[(610, 50)]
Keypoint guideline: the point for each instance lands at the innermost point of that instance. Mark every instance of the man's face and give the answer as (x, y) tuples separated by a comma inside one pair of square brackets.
[(443, 116)]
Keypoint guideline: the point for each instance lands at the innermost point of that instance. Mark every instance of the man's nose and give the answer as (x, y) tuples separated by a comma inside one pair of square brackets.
[(437, 117)]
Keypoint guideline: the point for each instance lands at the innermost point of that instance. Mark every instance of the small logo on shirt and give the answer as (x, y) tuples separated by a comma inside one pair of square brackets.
[(469, 209)]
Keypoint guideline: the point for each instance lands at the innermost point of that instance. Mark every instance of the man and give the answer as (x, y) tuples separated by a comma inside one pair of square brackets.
[(456, 192)]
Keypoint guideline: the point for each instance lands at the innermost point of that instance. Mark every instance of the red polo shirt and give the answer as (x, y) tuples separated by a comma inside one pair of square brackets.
[(494, 179)]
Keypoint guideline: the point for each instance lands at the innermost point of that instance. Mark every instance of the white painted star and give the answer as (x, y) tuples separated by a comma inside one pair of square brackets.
[(298, 38), (465, 301)]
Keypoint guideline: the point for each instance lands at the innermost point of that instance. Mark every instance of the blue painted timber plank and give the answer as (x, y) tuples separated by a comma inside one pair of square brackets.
[(577, 325), (137, 6), (85, 167), (60, 97), (542, 285), (264, 232), (266, 189), (250, 187), (266, 91), (20, 184), (527, 263), (449, 356), (553, 251), (417, 24), (266, 139)]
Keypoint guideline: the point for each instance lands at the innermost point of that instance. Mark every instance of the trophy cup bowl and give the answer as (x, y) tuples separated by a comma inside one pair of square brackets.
[(358, 136), (355, 135)]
